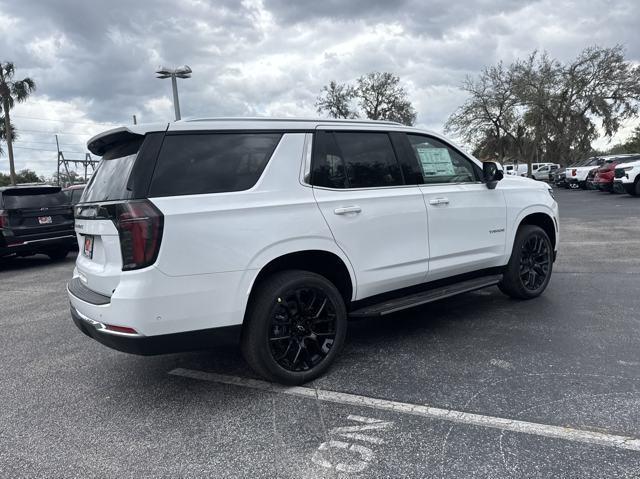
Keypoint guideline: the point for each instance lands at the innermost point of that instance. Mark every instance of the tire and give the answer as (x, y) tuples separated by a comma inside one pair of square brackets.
[(318, 334), (522, 277), (57, 254), (636, 188)]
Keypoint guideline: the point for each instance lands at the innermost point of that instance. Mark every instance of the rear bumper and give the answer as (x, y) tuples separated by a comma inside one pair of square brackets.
[(42, 245), (153, 345), (154, 304)]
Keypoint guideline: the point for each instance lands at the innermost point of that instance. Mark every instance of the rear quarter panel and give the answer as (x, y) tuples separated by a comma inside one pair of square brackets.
[(244, 230)]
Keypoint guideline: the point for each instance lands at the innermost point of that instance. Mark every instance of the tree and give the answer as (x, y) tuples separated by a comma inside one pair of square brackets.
[(335, 99), (549, 111), (379, 95), (489, 118), (66, 179), (382, 98), (3, 136), (12, 91), (23, 176), (632, 145)]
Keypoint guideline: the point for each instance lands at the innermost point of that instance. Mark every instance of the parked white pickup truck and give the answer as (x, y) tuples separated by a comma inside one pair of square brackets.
[(577, 174)]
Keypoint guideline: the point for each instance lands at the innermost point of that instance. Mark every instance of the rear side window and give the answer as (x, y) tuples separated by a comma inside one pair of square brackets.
[(28, 198), (211, 162), (109, 182), (355, 160)]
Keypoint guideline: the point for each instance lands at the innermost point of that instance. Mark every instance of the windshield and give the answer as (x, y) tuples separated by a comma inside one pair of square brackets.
[(109, 182)]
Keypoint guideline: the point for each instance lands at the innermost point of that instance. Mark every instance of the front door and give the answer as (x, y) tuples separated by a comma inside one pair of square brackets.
[(466, 220)]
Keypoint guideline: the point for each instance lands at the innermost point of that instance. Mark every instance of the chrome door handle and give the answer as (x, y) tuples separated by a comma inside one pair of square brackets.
[(439, 201), (347, 209)]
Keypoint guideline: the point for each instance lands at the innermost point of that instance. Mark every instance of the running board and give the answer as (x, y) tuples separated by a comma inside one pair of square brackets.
[(424, 297)]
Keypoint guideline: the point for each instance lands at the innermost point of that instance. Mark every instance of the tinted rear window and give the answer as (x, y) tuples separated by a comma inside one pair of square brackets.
[(355, 160), (33, 198), (109, 182), (211, 163)]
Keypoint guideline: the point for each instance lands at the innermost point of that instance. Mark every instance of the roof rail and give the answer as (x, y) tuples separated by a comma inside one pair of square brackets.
[(301, 120)]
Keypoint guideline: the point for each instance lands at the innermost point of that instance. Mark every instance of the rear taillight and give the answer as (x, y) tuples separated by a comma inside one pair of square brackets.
[(574, 172), (4, 219), (140, 226)]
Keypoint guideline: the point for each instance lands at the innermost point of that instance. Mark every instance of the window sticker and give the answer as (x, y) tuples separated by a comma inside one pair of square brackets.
[(435, 161)]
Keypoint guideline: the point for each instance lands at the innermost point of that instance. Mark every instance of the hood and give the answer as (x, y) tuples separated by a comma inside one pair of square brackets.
[(523, 181)]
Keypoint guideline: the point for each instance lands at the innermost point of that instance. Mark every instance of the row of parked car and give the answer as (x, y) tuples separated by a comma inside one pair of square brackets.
[(613, 173), (38, 218)]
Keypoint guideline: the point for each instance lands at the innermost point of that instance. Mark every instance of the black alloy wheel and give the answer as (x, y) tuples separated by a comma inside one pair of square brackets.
[(534, 262), (303, 328), (295, 326), (529, 269)]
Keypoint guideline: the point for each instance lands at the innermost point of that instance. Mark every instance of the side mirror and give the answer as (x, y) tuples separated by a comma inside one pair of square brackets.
[(491, 174)]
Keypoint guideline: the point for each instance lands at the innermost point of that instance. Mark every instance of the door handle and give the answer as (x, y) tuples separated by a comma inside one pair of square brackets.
[(439, 201), (347, 209)]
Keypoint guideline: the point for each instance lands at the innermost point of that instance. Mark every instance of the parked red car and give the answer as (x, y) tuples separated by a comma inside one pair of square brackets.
[(604, 174)]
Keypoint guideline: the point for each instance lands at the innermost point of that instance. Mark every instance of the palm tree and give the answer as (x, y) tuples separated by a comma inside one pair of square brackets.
[(12, 91)]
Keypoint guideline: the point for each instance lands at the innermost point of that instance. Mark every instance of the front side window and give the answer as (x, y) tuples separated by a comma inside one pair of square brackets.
[(441, 163), (201, 163), (355, 160)]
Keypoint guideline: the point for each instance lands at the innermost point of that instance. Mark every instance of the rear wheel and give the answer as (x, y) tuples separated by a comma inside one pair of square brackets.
[(57, 254), (529, 270), (295, 327)]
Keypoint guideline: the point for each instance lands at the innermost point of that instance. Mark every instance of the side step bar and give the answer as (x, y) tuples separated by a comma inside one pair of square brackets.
[(424, 297)]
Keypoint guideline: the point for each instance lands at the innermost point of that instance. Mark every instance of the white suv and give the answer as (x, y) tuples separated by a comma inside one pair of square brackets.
[(627, 178), (285, 228)]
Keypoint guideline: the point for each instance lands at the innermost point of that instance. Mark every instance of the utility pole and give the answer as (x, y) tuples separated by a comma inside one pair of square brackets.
[(58, 148), (135, 121)]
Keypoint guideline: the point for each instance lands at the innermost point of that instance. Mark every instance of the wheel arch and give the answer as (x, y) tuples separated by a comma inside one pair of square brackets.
[(322, 262), (543, 220)]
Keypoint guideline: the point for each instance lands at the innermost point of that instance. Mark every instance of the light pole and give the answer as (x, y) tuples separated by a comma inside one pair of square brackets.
[(181, 72)]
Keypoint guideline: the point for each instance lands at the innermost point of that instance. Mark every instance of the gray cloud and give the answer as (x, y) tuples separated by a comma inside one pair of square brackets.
[(94, 61)]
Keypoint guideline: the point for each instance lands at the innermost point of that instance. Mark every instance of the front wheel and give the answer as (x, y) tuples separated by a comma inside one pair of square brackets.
[(529, 269), (295, 327)]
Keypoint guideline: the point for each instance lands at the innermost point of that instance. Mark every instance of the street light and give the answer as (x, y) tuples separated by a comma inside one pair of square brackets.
[(181, 72)]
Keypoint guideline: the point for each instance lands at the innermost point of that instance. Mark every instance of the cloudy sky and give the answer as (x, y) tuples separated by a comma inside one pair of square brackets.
[(93, 61)]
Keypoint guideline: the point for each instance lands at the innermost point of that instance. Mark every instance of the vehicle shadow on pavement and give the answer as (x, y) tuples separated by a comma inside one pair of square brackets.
[(36, 261)]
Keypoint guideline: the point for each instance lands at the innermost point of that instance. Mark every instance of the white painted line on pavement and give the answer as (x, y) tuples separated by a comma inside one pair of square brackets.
[(524, 427)]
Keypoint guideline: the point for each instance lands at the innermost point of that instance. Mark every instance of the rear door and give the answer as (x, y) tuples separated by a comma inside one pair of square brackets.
[(466, 220), (376, 218), (37, 213), (122, 174)]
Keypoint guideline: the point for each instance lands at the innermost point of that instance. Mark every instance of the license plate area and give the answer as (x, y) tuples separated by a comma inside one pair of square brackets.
[(87, 249), (44, 220)]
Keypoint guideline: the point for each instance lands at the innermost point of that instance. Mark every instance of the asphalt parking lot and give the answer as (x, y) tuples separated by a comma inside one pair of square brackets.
[(473, 386)]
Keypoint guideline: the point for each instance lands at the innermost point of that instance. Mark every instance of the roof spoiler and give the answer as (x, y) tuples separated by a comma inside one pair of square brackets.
[(103, 142)]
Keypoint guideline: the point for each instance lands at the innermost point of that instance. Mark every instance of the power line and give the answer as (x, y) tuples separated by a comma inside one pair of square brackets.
[(52, 132), (51, 143), (45, 149), (63, 121)]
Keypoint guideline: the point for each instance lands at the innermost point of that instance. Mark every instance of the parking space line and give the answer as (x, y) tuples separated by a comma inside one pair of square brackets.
[(524, 427)]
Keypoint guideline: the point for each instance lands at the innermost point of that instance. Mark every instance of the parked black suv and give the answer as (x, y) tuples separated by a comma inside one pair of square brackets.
[(36, 219)]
